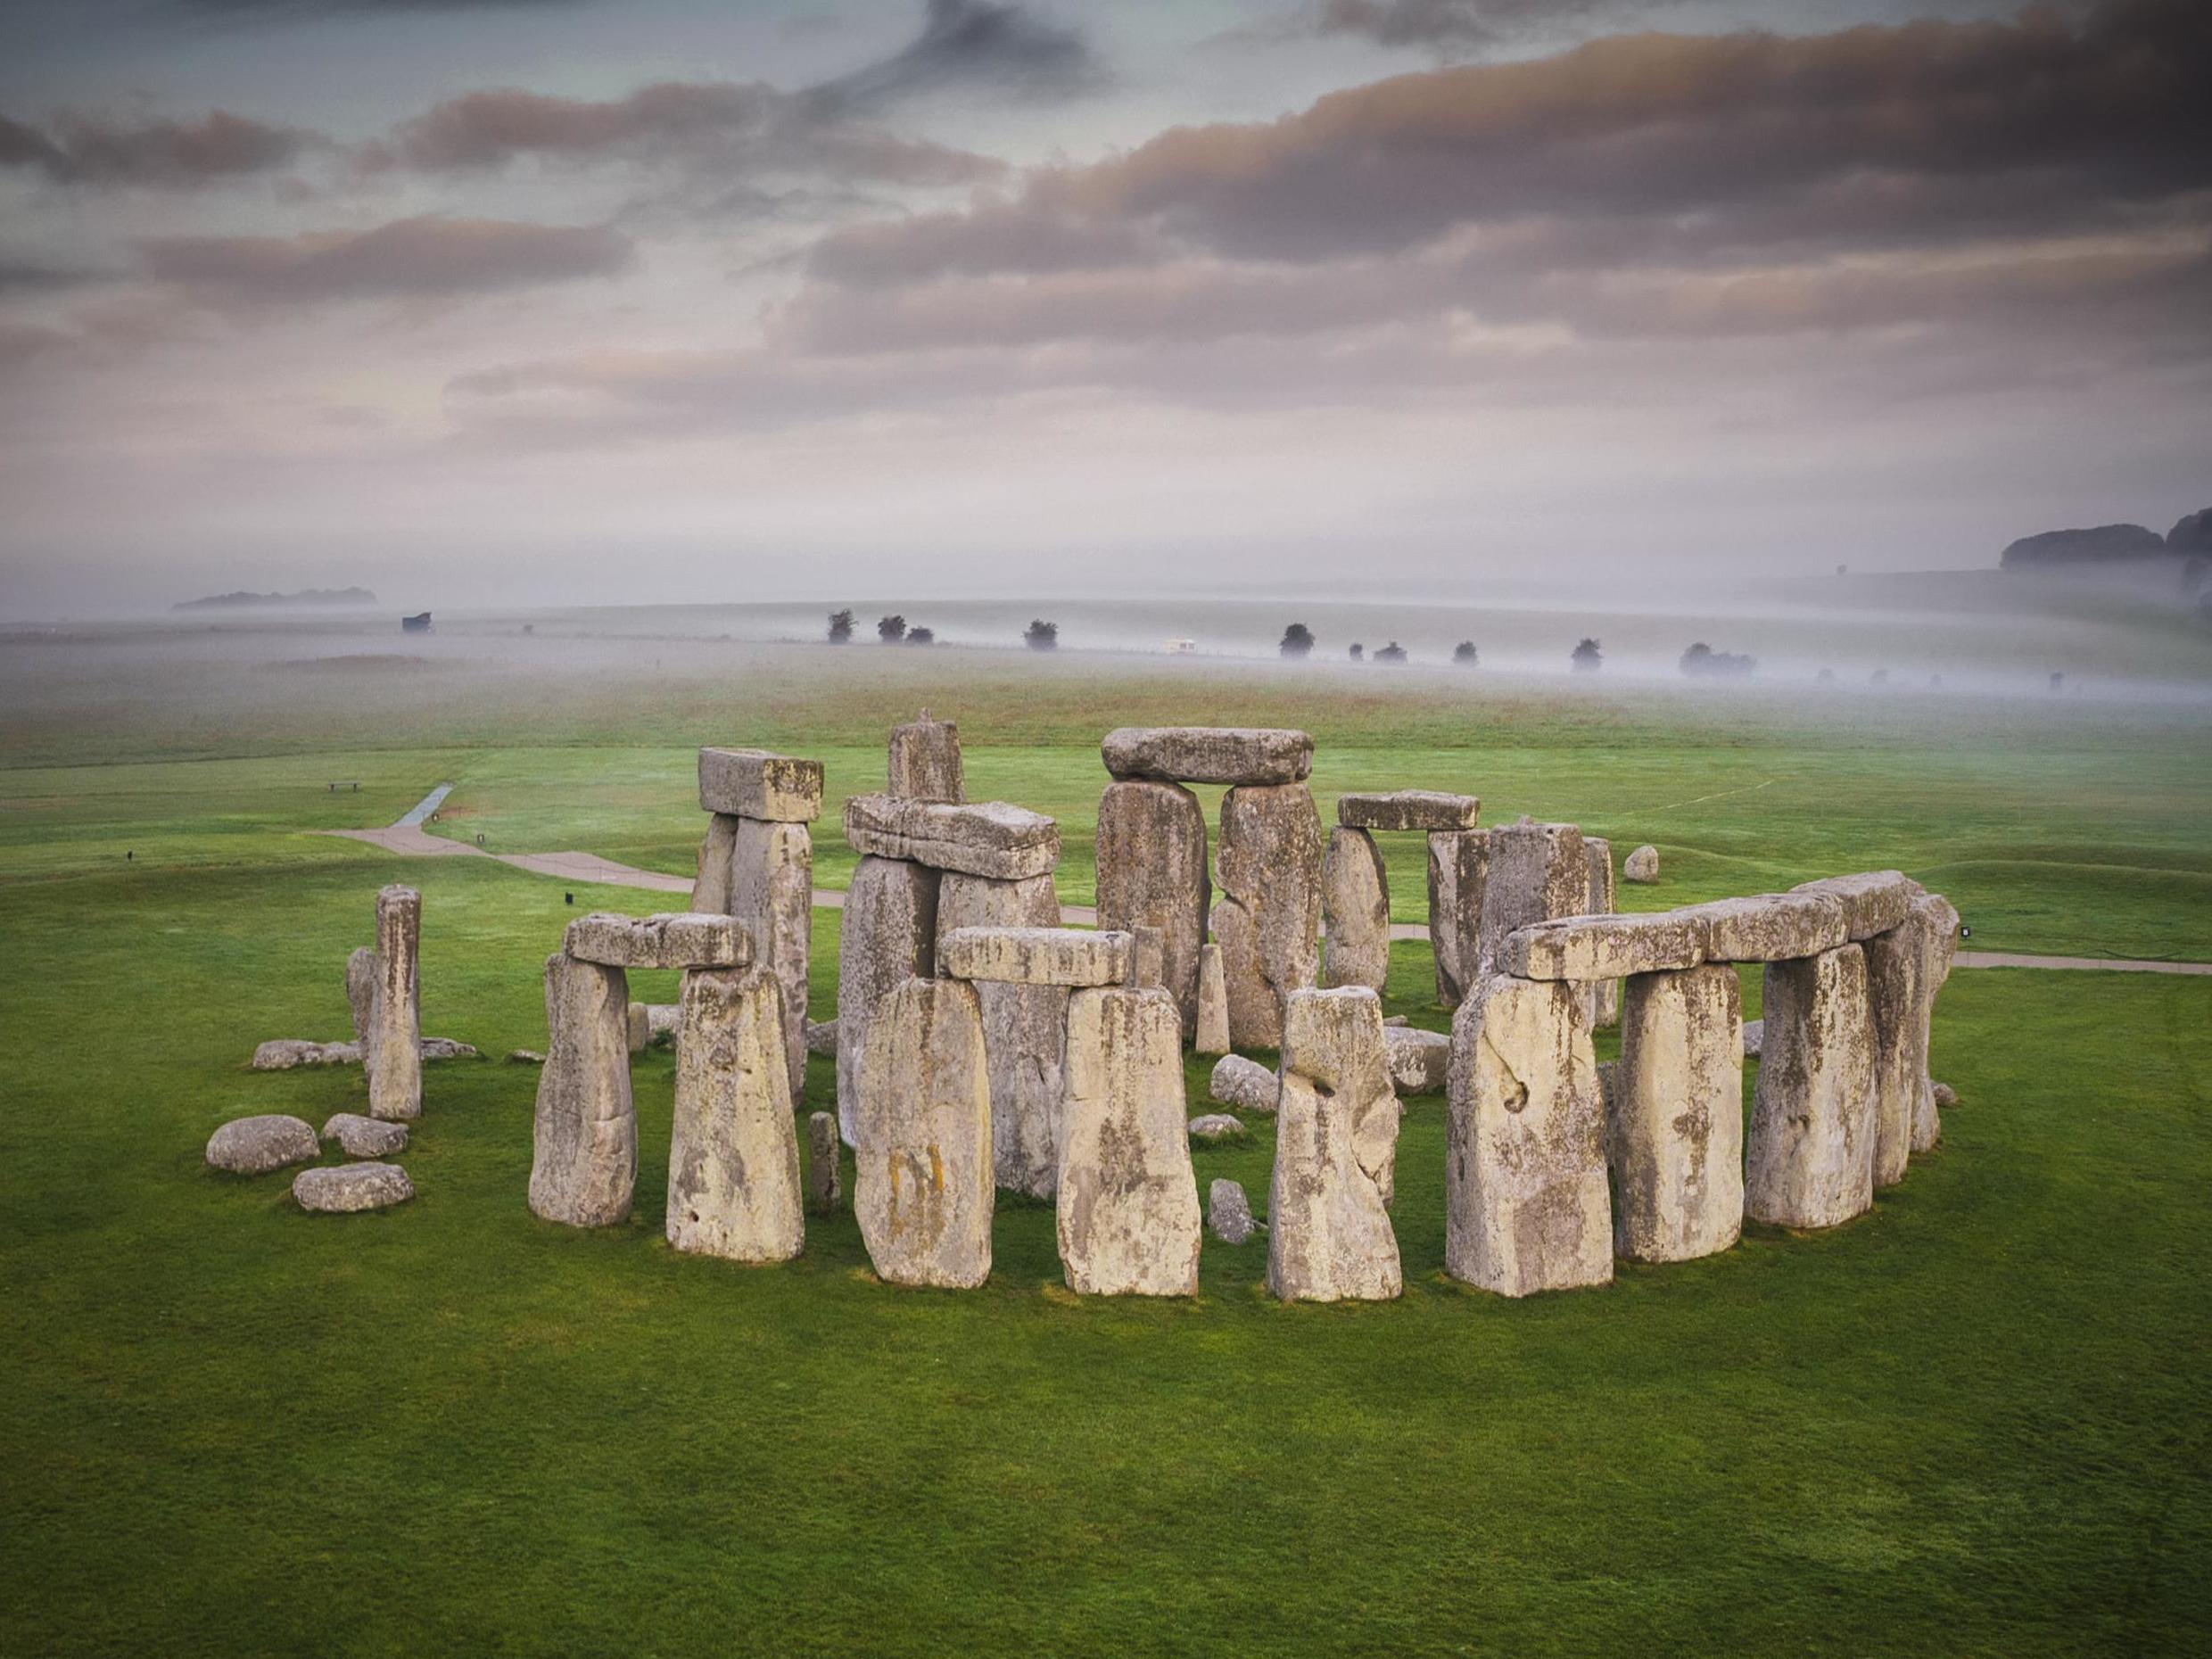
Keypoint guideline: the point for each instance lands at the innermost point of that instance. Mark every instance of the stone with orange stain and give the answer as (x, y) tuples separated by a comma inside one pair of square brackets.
[(922, 1185)]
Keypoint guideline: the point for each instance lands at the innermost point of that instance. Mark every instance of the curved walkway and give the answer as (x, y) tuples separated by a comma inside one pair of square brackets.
[(406, 839)]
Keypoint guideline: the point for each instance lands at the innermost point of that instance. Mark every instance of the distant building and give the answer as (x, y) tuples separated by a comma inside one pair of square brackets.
[(1180, 648), (415, 624)]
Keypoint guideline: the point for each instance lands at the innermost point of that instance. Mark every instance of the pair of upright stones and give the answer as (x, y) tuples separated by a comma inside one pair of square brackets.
[(733, 1164), (1485, 884), (384, 985), (1152, 868), (931, 864)]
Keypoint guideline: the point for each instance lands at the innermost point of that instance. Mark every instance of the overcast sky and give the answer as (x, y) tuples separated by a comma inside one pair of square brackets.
[(580, 301)]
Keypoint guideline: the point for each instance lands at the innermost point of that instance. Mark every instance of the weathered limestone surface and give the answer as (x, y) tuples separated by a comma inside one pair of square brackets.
[(1675, 1116), (1427, 809), (825, 1182), (1945, 1097), (922, 1189), (710, 887), (733, 1158), (1754, 1034), (1459, 872), (1941, 921), (1212, 1034), (1244, 1083), (1538, 872), (1216, 1125), (993, 839), (343, 1189), (1420, 1061), (1233, 755), (685, 939), (754, 783), (365, 1137), (1229, 1213), (361, 979), (584, 1161), (772, 893), (1268, 920), (1329, 1237), (886, 935), (1604, 948), (1356, 912), (1025, 1025), (1148, 961), (1035, 953), (637, 1027), (1874, 901), (255, 1145), (1128, 1213), (1526, 1206), (1811, 1158), (1768, 927), (1603, 895), (1153, 873), (1897, 961), (822, 1037), (925, 762), (1642, 865), (393, 1050), (289, 1053)]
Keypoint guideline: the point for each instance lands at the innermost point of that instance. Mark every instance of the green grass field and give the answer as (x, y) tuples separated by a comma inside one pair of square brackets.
[(1973, 1421)]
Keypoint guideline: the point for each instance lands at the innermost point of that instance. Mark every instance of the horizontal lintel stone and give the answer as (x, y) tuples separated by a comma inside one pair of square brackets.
[(991, 839), (1770, 926), (1429, 810), (1070, 956), (1874, 901), (1232, 754), (685, 939), (1605, 947), (755, 783)]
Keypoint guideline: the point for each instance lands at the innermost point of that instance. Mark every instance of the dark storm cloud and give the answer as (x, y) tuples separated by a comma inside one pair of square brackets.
[(409, 259), (154, 154), (280, 9), (968, 42)]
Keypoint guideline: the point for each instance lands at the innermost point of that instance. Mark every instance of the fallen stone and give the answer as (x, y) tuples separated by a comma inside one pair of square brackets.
[(1946, 1097), (1216, 1125), (365, 1137), (1675, 1116), (1268, 918), (1754, 1033), (925, 762), (1603, 947), (922, 1191), (1459, 872), (445, 1048), (1043, 955), (1212, 1034), (1420, 1061), (1810, 1161), (1127, 1215), (1329, 1237), (360, 981), (1232, 754), (1768, 927), (525, 1057), (256, 1145), (288, 1053), (991, 839), (1526, 1204), (822, 1037), (393, 1051), (754, 783), (1151, 854), (1409, 809), (686, 939), (1024, 1023), (1538, 872), (585, 1144), (1873, 902), (1396, 1020), (345, 1189), (825, 1183), (733, 1159), (771, 893), (886, 935), (1356, 912), (1244, 1083), (1229, 1213), (710, 887), (1642, 865)]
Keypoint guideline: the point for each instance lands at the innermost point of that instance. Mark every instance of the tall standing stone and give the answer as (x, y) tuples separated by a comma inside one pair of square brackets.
[(1329, 1237), (925, 762), (1811, 1158), (1268, 920), (1024, 1029), (824, 1180), (710, 887), (584, 1161), (1536, 872), (771, 890), (1896, 962), (922, 1189), (1602, 901), (1212, 1034), (1356, 912), (361, 980), (1675, 1116), (392, 1053), (733, 1158), (1128, 1213), (1525, 1201), (887, 935), (1150, 854), (1459, 863), (1941, 922)]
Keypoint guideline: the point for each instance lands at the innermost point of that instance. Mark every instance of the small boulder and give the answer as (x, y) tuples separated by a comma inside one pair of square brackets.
[(256, 1145), (822, 1037), (1216, 1125), (1229, 1213), (341, 1189), (1420, 1061), (1244, 1083), (285, 1054), (1642, 865), (525, 1057), (365, 1137), (1946, 1097), (1754, 1033)]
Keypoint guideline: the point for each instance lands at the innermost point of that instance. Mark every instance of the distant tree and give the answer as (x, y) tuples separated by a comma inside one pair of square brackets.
[(1297, 640), (891, 630), (1392, 653), (1464, 652), (1359, 651), (1588, 658), (1043, 636), (840, 627), (1702, 659), (921, 636)]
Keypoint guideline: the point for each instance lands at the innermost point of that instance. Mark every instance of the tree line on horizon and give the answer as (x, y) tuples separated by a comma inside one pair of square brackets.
[(895, 630)]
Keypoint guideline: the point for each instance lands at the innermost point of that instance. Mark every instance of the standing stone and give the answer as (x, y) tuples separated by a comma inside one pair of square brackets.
[(925, 763), (1356, 912), (392, 1050), (1150, 854), (825, 1183), (1604, 994), (1128, 1214), (1896, 962), (584, 1165), (361, 991), (1811, 1159), (710, 888), (1941, 921), (733, 1159), (887, 935), (772, 891), (638, 1027), (1526, 1207), (1268, 920), (1536, 872), (1675, 1116), (1212, 1035), (922, 1191), (1329, 1236), (1642, 865), (1228, 1212), (1459, 863), (1148, 961), (1025, 1028)]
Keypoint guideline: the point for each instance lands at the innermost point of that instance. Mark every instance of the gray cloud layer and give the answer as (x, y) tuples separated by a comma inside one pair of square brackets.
[(971, 42), (413, 257), (154, 154)]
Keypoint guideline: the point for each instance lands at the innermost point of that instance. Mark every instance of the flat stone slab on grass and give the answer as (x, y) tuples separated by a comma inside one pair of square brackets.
[(1604, 948), (993, 839), (1874, 901), (256, 1145), (1067, 956), (287, 1054), (345, 1189), (365, 1137), (1216, 1125), (1230, 755), (758, 784), (1768, 927), (686, 939), (1409, 809), (1420, 1061)]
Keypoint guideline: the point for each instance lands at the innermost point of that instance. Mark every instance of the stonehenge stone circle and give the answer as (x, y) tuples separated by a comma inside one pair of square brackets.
[(689, 939), (1459, 872), (772, 895), (1811, 1158), (754, 783), (924, 761), (825, 1183), (1356, 911), (886, 935), (991, 839), (256, 1145), (1526, 1207), (1536, 872), (365, 1137), (1642, 865), (1025, 1022), (393, 1050), (1675, 1116), (1243, 1084), (733, 1157), (922, 1188), (1232, 754), (1428, 810), (1127, 1215), (1031, 954), (1229, 1213), (1212, 1034), (1419, 1061), (1329, 1237), (344, 1189), (1268, 919), (584, 1167), (1153, 873)]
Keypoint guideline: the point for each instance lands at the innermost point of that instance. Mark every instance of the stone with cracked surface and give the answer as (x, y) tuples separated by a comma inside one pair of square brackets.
[(1768, 927), (358, 1136), (1329, 1236), (1268, 920), (1356, 911), (1430, 811), (1150, 855), (1873, 900), (1675, 1116), (1216, 1125), (666, 939), (360, 982), (1229, 1213), (733, 1156), (825, 1183), (1025, 1022), (1603, 895), (1941, 922), (1037, 954), (258, 1144), (1211, 1036), (585, 1144), (822, 1037), (1538, 872), (922, 1188), (1244, 1083), (1420, 1061), (1459, 872), (1231, 754), (993, 838), (1641, 866), (1810, 1159), (760, 784), (393, 1051), (710, 886), (348, 1189), (924, 762), (886, 934), (772, 894), (1582, 948)]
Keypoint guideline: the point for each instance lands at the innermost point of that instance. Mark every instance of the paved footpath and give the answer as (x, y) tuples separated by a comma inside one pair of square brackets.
[(406, 839)]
